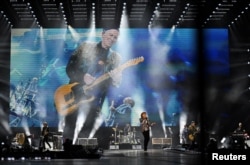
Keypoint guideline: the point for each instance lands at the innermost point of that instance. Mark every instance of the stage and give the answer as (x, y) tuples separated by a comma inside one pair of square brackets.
[(79, 154), (111, 157)]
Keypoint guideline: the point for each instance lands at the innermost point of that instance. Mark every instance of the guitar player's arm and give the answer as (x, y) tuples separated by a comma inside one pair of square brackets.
[(77, 74)]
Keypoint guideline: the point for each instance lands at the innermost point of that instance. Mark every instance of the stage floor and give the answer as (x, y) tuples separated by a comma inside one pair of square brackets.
[(123, 157)]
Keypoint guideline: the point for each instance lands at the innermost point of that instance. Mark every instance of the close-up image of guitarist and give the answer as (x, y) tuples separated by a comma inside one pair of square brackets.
[(92, 69)]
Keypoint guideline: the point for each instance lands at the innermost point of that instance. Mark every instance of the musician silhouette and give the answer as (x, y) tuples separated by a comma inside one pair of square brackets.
[(240, 129), (193, 130), (238, 137), (45, 136)]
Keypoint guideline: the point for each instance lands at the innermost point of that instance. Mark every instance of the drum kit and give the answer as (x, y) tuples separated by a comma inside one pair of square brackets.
[(240, 140), (121, 137)]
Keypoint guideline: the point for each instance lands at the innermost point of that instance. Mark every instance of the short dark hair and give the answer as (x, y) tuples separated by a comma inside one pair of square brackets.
[(106, 29), (110, 26), (143, 113)]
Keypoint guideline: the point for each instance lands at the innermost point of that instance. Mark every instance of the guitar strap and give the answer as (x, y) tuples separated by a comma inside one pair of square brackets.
[(107, 68), (110, 60)]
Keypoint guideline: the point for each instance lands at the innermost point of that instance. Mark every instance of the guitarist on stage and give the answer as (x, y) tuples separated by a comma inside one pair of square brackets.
[(193, 130), (88, 62), (45, 136)]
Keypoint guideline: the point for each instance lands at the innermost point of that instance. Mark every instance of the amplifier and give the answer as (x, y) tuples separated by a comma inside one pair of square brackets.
[(87, 141), (162, 141), (114, 147)]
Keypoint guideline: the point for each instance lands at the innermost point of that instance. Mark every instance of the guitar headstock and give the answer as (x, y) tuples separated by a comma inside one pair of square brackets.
[(135, 60)]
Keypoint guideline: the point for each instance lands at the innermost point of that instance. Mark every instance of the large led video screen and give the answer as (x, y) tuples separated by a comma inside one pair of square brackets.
[(161, 72), (216, 52)]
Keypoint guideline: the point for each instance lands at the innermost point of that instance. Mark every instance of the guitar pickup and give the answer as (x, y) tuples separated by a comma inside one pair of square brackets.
[(77, 92)]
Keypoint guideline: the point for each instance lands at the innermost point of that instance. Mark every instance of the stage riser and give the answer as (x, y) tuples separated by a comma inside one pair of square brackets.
[(157, 146), (162, 141), (83, 154), (87, 141), (125, 146)]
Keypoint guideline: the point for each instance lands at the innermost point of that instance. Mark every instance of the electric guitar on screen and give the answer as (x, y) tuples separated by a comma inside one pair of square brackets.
[(67, 101)]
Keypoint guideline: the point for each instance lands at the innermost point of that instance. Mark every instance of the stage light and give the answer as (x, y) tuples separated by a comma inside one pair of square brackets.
[(161, 113), (182, 122), (98, 122), (81, 118), (124, 19), (223, 140), (224, 143), (74, 34)]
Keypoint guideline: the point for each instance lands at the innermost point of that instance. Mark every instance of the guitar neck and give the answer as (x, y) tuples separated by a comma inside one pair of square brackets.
[(119, 69), (98, 81)]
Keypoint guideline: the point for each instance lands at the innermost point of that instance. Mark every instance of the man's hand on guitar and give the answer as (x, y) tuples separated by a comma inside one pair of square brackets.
[(67, 103), (88, 79)]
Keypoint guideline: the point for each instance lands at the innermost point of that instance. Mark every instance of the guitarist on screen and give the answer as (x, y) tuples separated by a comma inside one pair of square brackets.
[(88, 62), (121, 114)]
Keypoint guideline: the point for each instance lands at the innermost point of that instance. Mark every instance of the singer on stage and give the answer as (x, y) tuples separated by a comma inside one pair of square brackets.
[(145, 128)]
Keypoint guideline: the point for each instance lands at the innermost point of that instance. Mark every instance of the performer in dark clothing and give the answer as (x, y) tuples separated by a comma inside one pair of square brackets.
[(45, 136), (240, 129), (193, 131), (145, 128)]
